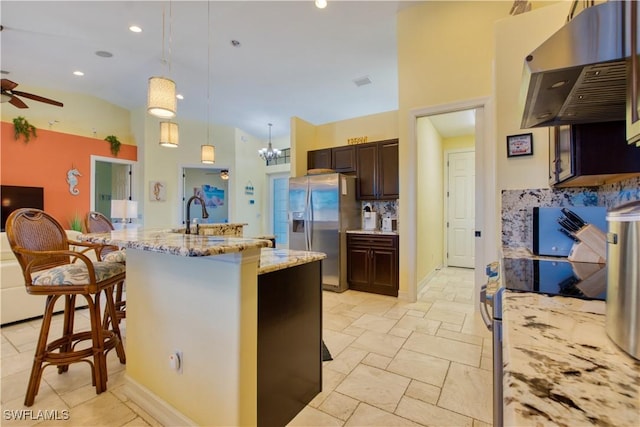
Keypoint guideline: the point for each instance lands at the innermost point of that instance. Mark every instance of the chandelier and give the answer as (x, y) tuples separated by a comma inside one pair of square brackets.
[(269, 153)]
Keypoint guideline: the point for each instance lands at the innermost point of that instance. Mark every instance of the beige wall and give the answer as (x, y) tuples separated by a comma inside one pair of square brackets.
[(303, 135), (512, 47), (430, 203), (438, 63), (459, 142), (81, 114)]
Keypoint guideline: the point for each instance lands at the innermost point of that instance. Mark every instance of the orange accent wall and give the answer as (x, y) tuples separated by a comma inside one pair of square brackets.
[(44, 162)]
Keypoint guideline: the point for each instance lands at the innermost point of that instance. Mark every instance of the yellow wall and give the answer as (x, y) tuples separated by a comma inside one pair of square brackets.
[(459, 142), (515, 38), (81, 114), (303, 134), (445, 55), (430, 201)]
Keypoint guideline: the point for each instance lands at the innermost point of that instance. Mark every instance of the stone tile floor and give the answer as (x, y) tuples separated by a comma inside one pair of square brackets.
[(394, 363)]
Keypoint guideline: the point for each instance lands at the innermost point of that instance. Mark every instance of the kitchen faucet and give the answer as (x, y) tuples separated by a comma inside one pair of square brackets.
[(205, 214)]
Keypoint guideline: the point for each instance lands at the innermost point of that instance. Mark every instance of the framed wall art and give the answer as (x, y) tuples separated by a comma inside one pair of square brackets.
[(520, 145), (157, 191)]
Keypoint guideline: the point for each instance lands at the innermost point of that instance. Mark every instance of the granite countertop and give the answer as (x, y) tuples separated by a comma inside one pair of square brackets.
[(165, 241), (560, 367), (278, 259), (389, 233)]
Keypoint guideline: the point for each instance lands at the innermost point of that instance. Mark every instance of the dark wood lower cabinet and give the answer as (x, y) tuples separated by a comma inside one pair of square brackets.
[(289, 342), (372, 263)]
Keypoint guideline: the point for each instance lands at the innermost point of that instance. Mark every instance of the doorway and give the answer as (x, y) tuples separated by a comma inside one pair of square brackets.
[(111, 179), (278, 208), (212, 185)]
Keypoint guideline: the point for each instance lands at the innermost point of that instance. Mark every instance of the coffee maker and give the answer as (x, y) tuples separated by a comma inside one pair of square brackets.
[(369, 218)]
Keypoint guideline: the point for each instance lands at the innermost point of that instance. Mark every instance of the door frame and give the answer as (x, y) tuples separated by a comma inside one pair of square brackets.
[(486, 246), (181, 190), (271, 176), (445, 188), (94, 159)]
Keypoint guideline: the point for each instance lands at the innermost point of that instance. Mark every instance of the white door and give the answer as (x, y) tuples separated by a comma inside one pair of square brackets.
[(461, 209), (279, 223)]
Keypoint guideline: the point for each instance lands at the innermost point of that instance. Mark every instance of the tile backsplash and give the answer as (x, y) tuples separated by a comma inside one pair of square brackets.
[(517, 205)]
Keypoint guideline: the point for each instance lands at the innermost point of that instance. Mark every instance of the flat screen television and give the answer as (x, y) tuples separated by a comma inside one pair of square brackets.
[(16, 197)]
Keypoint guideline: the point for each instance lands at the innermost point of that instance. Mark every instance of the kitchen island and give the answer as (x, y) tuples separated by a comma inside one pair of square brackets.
[(239, 333), (560, 367)]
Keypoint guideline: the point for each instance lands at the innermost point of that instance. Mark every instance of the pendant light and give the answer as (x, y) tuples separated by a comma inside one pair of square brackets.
[(208, 152), (169, 134), (269, 153), (161, 94)]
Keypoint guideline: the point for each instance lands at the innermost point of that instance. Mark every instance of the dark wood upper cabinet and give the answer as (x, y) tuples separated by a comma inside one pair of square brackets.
[(319, 159), (591, 154), (377, 170), (343, 159)]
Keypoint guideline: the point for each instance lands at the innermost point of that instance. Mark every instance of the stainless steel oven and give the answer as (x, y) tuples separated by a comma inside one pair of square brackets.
[(491, 311)]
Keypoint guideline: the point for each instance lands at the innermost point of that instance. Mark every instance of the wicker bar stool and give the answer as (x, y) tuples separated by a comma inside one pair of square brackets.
[(51, 268), (96, 222)]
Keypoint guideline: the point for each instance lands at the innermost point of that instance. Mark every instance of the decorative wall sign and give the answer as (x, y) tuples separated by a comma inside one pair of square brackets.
[(357, 140), (520, 145), (72, 180), (157, 191)]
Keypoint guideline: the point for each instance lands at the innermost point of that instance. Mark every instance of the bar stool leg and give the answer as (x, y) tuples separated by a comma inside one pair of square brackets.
[(67, 329), (97, 338), (36, 370), (111, 309)]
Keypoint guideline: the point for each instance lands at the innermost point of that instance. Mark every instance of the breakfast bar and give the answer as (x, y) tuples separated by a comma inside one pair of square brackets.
[(214, 329)]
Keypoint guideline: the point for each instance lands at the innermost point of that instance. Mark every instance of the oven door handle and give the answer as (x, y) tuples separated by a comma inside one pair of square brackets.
[(484, 310)]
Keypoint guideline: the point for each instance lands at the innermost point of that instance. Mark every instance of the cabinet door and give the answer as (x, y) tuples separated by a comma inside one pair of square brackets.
[(388, 187), (319, 159), (343, 159), (366, 160), (358, 267), (384, 271)]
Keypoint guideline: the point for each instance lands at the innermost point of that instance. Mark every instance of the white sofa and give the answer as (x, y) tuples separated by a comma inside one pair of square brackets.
[(16, 303)]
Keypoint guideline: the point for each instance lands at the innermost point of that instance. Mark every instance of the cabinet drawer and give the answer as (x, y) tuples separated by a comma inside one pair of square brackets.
[(371, 240)]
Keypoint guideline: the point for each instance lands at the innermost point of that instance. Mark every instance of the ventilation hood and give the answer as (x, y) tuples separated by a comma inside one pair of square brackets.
[(578, 75)]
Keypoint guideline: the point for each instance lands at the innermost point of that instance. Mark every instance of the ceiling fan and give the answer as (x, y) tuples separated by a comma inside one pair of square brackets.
[(10, 95)]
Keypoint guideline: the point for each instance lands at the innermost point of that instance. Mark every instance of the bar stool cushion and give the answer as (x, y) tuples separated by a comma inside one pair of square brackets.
[(76, 274), (116, 256)]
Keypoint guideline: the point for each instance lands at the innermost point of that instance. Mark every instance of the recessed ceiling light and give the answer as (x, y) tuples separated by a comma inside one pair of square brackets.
[(104, 54), (321, 4), (361, 81), (135, 29), (78, 73), (179, 96)]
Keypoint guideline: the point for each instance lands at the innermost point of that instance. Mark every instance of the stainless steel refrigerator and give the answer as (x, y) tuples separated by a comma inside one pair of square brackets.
[(321, 209)]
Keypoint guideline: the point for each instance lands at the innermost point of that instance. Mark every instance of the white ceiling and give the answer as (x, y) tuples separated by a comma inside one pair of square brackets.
[(294, 59)]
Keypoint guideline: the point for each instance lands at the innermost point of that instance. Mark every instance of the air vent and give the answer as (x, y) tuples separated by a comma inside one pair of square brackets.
[(362, 81)]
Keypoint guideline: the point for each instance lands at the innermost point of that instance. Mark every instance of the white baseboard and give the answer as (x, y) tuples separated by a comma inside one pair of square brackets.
[(422, 283), (160, 410)]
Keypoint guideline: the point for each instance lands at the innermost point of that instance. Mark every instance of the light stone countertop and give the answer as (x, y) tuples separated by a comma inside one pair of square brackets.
[(180, 244), (279, 259), (388, 233), (560, 367)]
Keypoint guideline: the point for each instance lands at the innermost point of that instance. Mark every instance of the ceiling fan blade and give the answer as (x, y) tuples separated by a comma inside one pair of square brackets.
[(8, 84), (37, 98), (17, 102)]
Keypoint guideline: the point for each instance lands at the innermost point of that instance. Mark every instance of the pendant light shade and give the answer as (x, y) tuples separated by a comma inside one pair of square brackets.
[(169, 134), (208, 154), (161, 99)]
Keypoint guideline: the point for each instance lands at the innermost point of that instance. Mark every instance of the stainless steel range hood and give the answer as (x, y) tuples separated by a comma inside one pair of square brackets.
[(578, 75)]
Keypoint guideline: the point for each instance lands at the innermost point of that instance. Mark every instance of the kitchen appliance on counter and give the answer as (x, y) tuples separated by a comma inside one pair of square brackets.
[(389, 224), (623, 301), (321, 209), (551, 238), (369, 218)]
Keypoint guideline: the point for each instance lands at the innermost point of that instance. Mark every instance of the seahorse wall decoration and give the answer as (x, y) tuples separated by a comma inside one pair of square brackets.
[(72, 180)]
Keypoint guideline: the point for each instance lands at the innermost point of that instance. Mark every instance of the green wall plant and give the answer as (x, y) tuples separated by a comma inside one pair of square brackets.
[(76, 223), (23, 128), (115, 144)]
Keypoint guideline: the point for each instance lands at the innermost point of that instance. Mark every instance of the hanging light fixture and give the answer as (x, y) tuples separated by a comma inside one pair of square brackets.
[(161, 94), (208, 152), (224, 174), (169, 134), (269, 153)]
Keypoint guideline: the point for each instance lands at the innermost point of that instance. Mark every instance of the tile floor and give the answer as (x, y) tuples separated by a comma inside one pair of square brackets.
[(394, 363)]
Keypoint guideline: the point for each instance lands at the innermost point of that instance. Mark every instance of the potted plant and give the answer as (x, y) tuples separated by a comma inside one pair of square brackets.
[(76, 223), (23, 128), (115, 144)]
